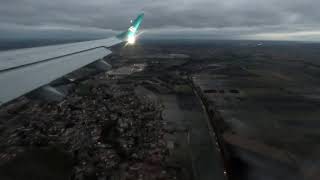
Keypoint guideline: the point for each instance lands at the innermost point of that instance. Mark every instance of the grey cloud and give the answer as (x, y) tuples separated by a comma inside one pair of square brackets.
[(210, 18)]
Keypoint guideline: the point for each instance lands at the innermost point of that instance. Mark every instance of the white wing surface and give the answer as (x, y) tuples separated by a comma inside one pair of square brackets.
[(24, 70)]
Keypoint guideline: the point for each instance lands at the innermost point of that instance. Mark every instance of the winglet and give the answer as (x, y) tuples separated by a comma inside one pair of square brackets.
[(130, 34)]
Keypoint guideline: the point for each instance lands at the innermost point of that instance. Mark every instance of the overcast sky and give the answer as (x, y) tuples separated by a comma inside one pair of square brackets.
[(214, 19)]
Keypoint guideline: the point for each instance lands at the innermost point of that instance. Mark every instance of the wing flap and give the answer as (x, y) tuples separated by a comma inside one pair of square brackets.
[(19, 81)]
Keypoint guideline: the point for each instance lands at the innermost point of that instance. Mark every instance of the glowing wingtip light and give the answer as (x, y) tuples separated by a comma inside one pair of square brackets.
[(131, 40)]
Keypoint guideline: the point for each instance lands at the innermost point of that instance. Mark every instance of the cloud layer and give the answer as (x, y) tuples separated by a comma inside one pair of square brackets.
[(231, 19)]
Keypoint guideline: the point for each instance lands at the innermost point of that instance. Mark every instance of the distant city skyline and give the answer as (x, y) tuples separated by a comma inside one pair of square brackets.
[(212, 19)]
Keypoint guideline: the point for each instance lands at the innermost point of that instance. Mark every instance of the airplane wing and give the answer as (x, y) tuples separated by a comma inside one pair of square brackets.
[(24, 70)]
